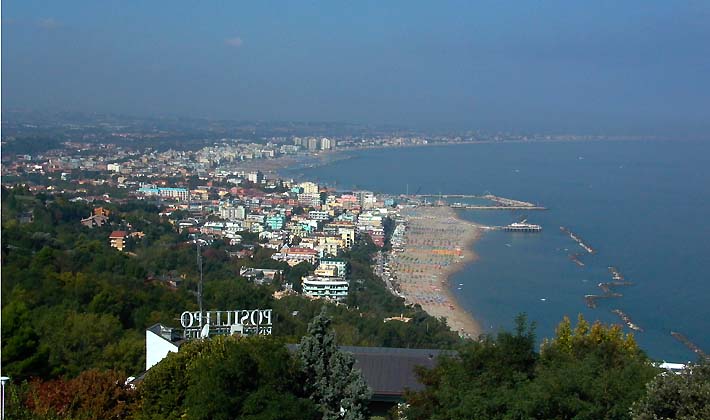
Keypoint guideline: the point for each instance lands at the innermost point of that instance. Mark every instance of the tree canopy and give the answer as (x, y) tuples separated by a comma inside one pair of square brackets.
[(682, 396), (75, 310), (585, 372), (71, 303), (226, 378)]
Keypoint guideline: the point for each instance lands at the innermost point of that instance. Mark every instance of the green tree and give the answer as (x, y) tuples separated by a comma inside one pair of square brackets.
[(226, 378), (76, 341), (162, 391), (481, 381), (296, 272), (682, 396), (587, 372), (22, 355), (334, 384)]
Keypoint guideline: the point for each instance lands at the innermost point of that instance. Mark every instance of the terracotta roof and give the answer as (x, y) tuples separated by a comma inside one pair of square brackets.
[(118, 234)]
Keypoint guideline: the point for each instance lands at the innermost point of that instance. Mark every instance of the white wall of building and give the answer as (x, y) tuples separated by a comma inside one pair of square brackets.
[(156, 348)]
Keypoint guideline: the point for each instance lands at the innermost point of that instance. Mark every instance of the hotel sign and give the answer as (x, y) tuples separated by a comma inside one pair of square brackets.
[(244, 322)]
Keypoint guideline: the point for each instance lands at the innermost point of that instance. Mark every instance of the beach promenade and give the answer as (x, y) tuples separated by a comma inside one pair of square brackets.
[(437, 244)]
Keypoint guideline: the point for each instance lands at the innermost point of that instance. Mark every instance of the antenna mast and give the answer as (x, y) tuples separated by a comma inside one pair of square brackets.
[(199, 285)]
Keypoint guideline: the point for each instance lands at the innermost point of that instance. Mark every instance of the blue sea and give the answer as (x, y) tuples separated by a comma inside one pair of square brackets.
[(643, 205)]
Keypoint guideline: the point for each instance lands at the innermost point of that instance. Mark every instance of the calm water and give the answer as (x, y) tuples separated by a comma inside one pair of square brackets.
[(643, 205)]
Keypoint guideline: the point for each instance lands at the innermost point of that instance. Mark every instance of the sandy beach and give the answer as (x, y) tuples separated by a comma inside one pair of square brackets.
[(437, 244)]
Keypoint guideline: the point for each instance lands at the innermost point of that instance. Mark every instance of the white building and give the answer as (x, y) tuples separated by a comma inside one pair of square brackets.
[(174, 193), (231, 212), (309, 187), (255, 218), (327, 144), (309, 199), (159, 341), (255, 177), (335, 288), (368, 221), (366, 199), (318, 215)]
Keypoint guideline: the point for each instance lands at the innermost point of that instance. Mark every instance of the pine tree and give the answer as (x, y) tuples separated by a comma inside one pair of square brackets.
[(335, 386)]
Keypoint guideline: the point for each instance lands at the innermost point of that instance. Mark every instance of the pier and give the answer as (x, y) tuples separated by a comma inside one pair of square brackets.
[(591, 300), (578, 239), (607, 288), (616, 274), (689, 344), (575, 259), (501, 203), (627, 320), (479, 207), (507, 202)]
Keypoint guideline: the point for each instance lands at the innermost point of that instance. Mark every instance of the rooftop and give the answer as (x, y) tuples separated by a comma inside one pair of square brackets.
[(391, 371)]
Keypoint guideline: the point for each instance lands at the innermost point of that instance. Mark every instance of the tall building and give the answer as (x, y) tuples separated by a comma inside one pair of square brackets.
[(366, 199), (309, 199), (309, 187), (313, 143), (327, 144), (255, 177)]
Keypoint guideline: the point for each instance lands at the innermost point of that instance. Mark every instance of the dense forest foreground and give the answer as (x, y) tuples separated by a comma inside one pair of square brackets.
[(75, 310)]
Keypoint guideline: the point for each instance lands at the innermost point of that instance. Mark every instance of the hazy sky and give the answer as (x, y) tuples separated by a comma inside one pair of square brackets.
[(584, 66)]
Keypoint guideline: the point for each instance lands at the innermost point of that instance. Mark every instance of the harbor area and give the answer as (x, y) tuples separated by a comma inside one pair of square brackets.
[(496, 202)]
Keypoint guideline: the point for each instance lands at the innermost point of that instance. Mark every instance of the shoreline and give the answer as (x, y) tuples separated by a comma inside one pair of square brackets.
[(438, 244), (328, 157)]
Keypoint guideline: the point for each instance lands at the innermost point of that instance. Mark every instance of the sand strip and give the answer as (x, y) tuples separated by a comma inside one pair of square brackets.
[(437, 244)]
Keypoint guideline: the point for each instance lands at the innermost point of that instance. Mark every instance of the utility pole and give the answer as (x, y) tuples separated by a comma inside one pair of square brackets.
[(199, 285), (4, 380)]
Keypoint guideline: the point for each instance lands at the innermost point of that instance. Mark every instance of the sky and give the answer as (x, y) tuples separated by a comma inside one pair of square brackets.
[(589, 67)]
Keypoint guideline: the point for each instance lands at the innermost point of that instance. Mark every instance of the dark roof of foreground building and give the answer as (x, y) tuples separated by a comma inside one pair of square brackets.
[(391, 371), (388, 371)]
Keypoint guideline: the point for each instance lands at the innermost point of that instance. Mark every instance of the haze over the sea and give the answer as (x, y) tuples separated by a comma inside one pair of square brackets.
[(637, 67), (643, 205)]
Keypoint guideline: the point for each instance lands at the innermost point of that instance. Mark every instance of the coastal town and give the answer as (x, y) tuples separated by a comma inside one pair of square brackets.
[(242, 194), (354, 210), (297, 221), (262, 231), (232, 192)]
